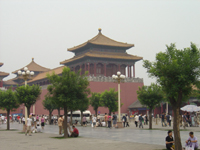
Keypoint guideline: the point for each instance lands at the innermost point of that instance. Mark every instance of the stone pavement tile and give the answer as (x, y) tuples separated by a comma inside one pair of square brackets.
[(12, 140)]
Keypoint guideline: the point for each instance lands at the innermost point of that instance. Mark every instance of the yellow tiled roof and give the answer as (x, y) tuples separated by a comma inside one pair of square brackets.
[(3, 74), (44, 74), (101, 39), (111, 55), (34, 67)]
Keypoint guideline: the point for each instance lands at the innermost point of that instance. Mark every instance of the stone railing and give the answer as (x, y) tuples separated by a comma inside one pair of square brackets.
[(109, 79)]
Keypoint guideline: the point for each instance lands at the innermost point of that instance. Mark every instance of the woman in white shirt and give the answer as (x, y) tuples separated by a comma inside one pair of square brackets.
[(94, 120)]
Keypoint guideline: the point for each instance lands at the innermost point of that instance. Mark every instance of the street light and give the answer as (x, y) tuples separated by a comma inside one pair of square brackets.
[(118, 78), (26, 74)]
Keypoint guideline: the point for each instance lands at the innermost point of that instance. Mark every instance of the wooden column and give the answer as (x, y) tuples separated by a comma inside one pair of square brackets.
[(95, 71), (134, 71), (80, 69), (128, 71), (105, 70), (85, 67), (88, 69), (1, 83)]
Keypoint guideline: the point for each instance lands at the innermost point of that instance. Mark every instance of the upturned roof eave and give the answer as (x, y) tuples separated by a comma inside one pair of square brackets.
[(76, 48)]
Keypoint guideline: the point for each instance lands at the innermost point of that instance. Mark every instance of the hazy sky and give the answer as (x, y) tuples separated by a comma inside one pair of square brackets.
[(44, 29)]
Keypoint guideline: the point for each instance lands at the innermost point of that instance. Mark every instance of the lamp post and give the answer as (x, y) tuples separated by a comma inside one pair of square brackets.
[(118, 78), (26, 74)]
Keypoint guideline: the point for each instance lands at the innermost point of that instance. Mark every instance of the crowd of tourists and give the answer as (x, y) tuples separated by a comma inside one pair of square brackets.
[(189, 120)]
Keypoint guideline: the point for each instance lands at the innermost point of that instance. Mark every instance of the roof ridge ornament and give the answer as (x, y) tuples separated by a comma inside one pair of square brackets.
[(99, 30)]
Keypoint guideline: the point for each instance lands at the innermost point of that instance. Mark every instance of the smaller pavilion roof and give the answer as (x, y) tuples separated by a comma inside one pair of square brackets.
[(97, 54), (32, 66), (136, 104), (44, 74), (10, 82), (3, 74), (1, 64), (101, 39)]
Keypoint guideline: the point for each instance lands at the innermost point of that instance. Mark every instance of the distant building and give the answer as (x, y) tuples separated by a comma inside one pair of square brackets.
[(101, 57)]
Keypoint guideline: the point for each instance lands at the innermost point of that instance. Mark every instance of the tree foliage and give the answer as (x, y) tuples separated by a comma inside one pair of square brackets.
[(176, 71), (49, 105), (110, 99), (8, 101), (150, 96), (95, 101), (28, 95), (68, 89)]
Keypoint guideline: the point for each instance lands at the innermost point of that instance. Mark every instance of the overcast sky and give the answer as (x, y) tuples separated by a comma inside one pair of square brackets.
[(44, 29)]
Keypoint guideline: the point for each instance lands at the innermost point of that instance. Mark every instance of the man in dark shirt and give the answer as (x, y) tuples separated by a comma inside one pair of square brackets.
[(169, 141), (140, 119), (163, 119), (75, 132)]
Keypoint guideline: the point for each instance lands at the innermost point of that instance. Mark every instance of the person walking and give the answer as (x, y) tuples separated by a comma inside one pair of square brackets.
[(98, 118), (94, 120), (109, 121), (136, 120), (140, 119), (106, 119), (124, 119), (91, 121), (163, 119), (146, 119), (185, 120), (60, 123), (42, 122), (167, 116), (28, 125), (24, 125), (127, 121), (84, 121), (114, 120), (68, 122), (170, 120)]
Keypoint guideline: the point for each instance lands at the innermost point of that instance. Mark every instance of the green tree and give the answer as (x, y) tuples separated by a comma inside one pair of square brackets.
[(68, 88), (150, 96), (8, 101), (49, 105), (28, 95), (95, 101), (176, 71), (110, 99)]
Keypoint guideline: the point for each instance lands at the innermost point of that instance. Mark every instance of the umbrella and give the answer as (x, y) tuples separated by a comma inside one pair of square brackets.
[(190, 108)]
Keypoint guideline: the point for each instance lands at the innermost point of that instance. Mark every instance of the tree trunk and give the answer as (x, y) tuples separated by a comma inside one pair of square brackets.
[(50, 113), (96, 112), (28, 111), (71, 117), (81, 118), (109, 112), (150, 119), (8, 119), (58, 112), (65, 123), (176, 129)]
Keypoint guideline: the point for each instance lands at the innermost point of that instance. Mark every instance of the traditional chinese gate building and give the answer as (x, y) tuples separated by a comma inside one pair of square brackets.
[(101, 57)]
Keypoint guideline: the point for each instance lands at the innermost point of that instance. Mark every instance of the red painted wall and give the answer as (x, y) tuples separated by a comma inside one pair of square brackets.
[(128, 96)]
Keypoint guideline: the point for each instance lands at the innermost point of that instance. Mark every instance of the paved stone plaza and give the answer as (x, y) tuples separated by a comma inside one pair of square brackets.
[(100, 138)]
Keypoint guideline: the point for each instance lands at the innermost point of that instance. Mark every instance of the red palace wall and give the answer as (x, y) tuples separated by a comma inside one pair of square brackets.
[(128, 96)]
